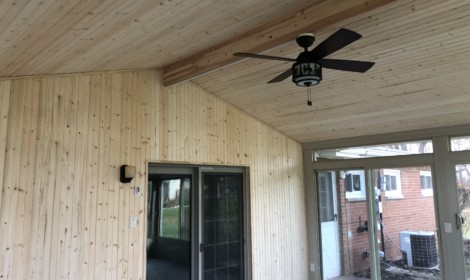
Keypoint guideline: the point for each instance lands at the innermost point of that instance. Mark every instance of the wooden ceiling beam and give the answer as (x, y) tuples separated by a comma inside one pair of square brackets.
[(268, 36)]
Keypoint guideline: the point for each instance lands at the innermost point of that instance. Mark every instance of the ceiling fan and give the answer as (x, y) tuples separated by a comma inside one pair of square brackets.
[(307, 69)]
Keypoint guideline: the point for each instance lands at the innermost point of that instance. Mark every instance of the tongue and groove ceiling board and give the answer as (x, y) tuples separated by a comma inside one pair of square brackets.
[(420, 79), (421, 49), (48, 37)]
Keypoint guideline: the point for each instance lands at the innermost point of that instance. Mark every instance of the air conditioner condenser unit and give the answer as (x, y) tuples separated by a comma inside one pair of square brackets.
[(420, 248)]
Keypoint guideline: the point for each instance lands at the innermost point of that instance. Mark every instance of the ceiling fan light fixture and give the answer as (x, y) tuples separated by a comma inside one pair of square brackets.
[(306, 74), (307, 68)]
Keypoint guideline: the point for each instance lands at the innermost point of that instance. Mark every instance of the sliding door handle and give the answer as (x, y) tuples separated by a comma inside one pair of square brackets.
[(460, 220), (201, 247)]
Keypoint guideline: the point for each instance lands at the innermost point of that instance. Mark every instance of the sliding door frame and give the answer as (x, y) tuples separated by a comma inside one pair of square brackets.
[(196, 210), (442, 162)]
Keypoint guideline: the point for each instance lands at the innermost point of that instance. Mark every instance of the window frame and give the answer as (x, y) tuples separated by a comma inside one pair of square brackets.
[(355, 195), (392, 194), (456, 145), (427, 191), (442, 162)]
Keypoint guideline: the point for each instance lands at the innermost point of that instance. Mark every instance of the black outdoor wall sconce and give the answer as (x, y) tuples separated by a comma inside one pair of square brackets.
[(127, 173)]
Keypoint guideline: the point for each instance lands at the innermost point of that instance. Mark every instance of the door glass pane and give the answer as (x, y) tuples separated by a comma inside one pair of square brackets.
[(462, 172), (185, 209), (151, 213), (325, 191), (406, 223), (170, 208), (222, 226), (343, 223), (169, 239)]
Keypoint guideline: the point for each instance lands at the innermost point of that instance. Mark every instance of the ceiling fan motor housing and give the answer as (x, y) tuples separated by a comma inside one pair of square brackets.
[(306, 74)]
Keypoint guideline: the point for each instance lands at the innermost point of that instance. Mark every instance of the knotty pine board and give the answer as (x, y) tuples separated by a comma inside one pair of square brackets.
[(65, 215)]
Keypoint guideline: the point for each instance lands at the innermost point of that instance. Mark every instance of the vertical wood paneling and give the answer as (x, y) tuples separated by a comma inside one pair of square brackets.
[(25, 194), (64, 213), (69, 180), (92, 177), (103, 175), (162, 125), (44, 184), (4, 109), (147, 90), (105, 185), (115, 160), (61, 211), (11, 187), (80, 228), (133, 155), (123, 252), (156, 121)]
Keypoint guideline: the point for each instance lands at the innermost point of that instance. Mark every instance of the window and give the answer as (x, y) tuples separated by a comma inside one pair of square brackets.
[(354, 181), (426, 182), (387, 150), (392, 183), (175, 209), (460, 144)]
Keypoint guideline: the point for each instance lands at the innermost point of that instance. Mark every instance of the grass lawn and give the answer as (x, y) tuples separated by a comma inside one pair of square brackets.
[(170, 222)]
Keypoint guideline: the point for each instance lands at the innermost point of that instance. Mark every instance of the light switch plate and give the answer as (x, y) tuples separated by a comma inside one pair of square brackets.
[(447, 227), (312, 267), (133, 222)]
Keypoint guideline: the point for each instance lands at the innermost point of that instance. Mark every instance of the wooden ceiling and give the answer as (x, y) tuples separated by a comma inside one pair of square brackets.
[(421, 49)]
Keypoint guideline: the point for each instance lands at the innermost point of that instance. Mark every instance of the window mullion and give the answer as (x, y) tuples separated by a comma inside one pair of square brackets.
[(371, 212), (181, 210)]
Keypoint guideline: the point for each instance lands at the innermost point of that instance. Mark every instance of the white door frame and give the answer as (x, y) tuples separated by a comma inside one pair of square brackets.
[(333, 239)]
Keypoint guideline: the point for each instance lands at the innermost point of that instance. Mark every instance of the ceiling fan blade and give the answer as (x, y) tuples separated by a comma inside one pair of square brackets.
[(281, 77), (336, 41), (347, 65), (262, 56)]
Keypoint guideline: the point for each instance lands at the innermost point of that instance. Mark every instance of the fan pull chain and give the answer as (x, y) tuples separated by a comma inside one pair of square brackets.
[(309, 96)]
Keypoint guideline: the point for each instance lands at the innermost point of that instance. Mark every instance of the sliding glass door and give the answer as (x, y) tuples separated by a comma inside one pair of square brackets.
[(222, 226), (406, 222), (169, 226), (390, 209), (195, 223), (462, 178), (381, 207), (417, 196)]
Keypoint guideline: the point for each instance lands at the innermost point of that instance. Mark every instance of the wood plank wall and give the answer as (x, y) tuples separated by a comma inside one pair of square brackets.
[(65, 215)]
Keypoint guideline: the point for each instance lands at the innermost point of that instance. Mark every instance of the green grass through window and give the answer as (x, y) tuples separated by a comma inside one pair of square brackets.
[(170, 222)]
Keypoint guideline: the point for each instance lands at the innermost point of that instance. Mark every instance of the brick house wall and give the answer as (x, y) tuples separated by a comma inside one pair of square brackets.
[(352, 242), (412, 211)]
